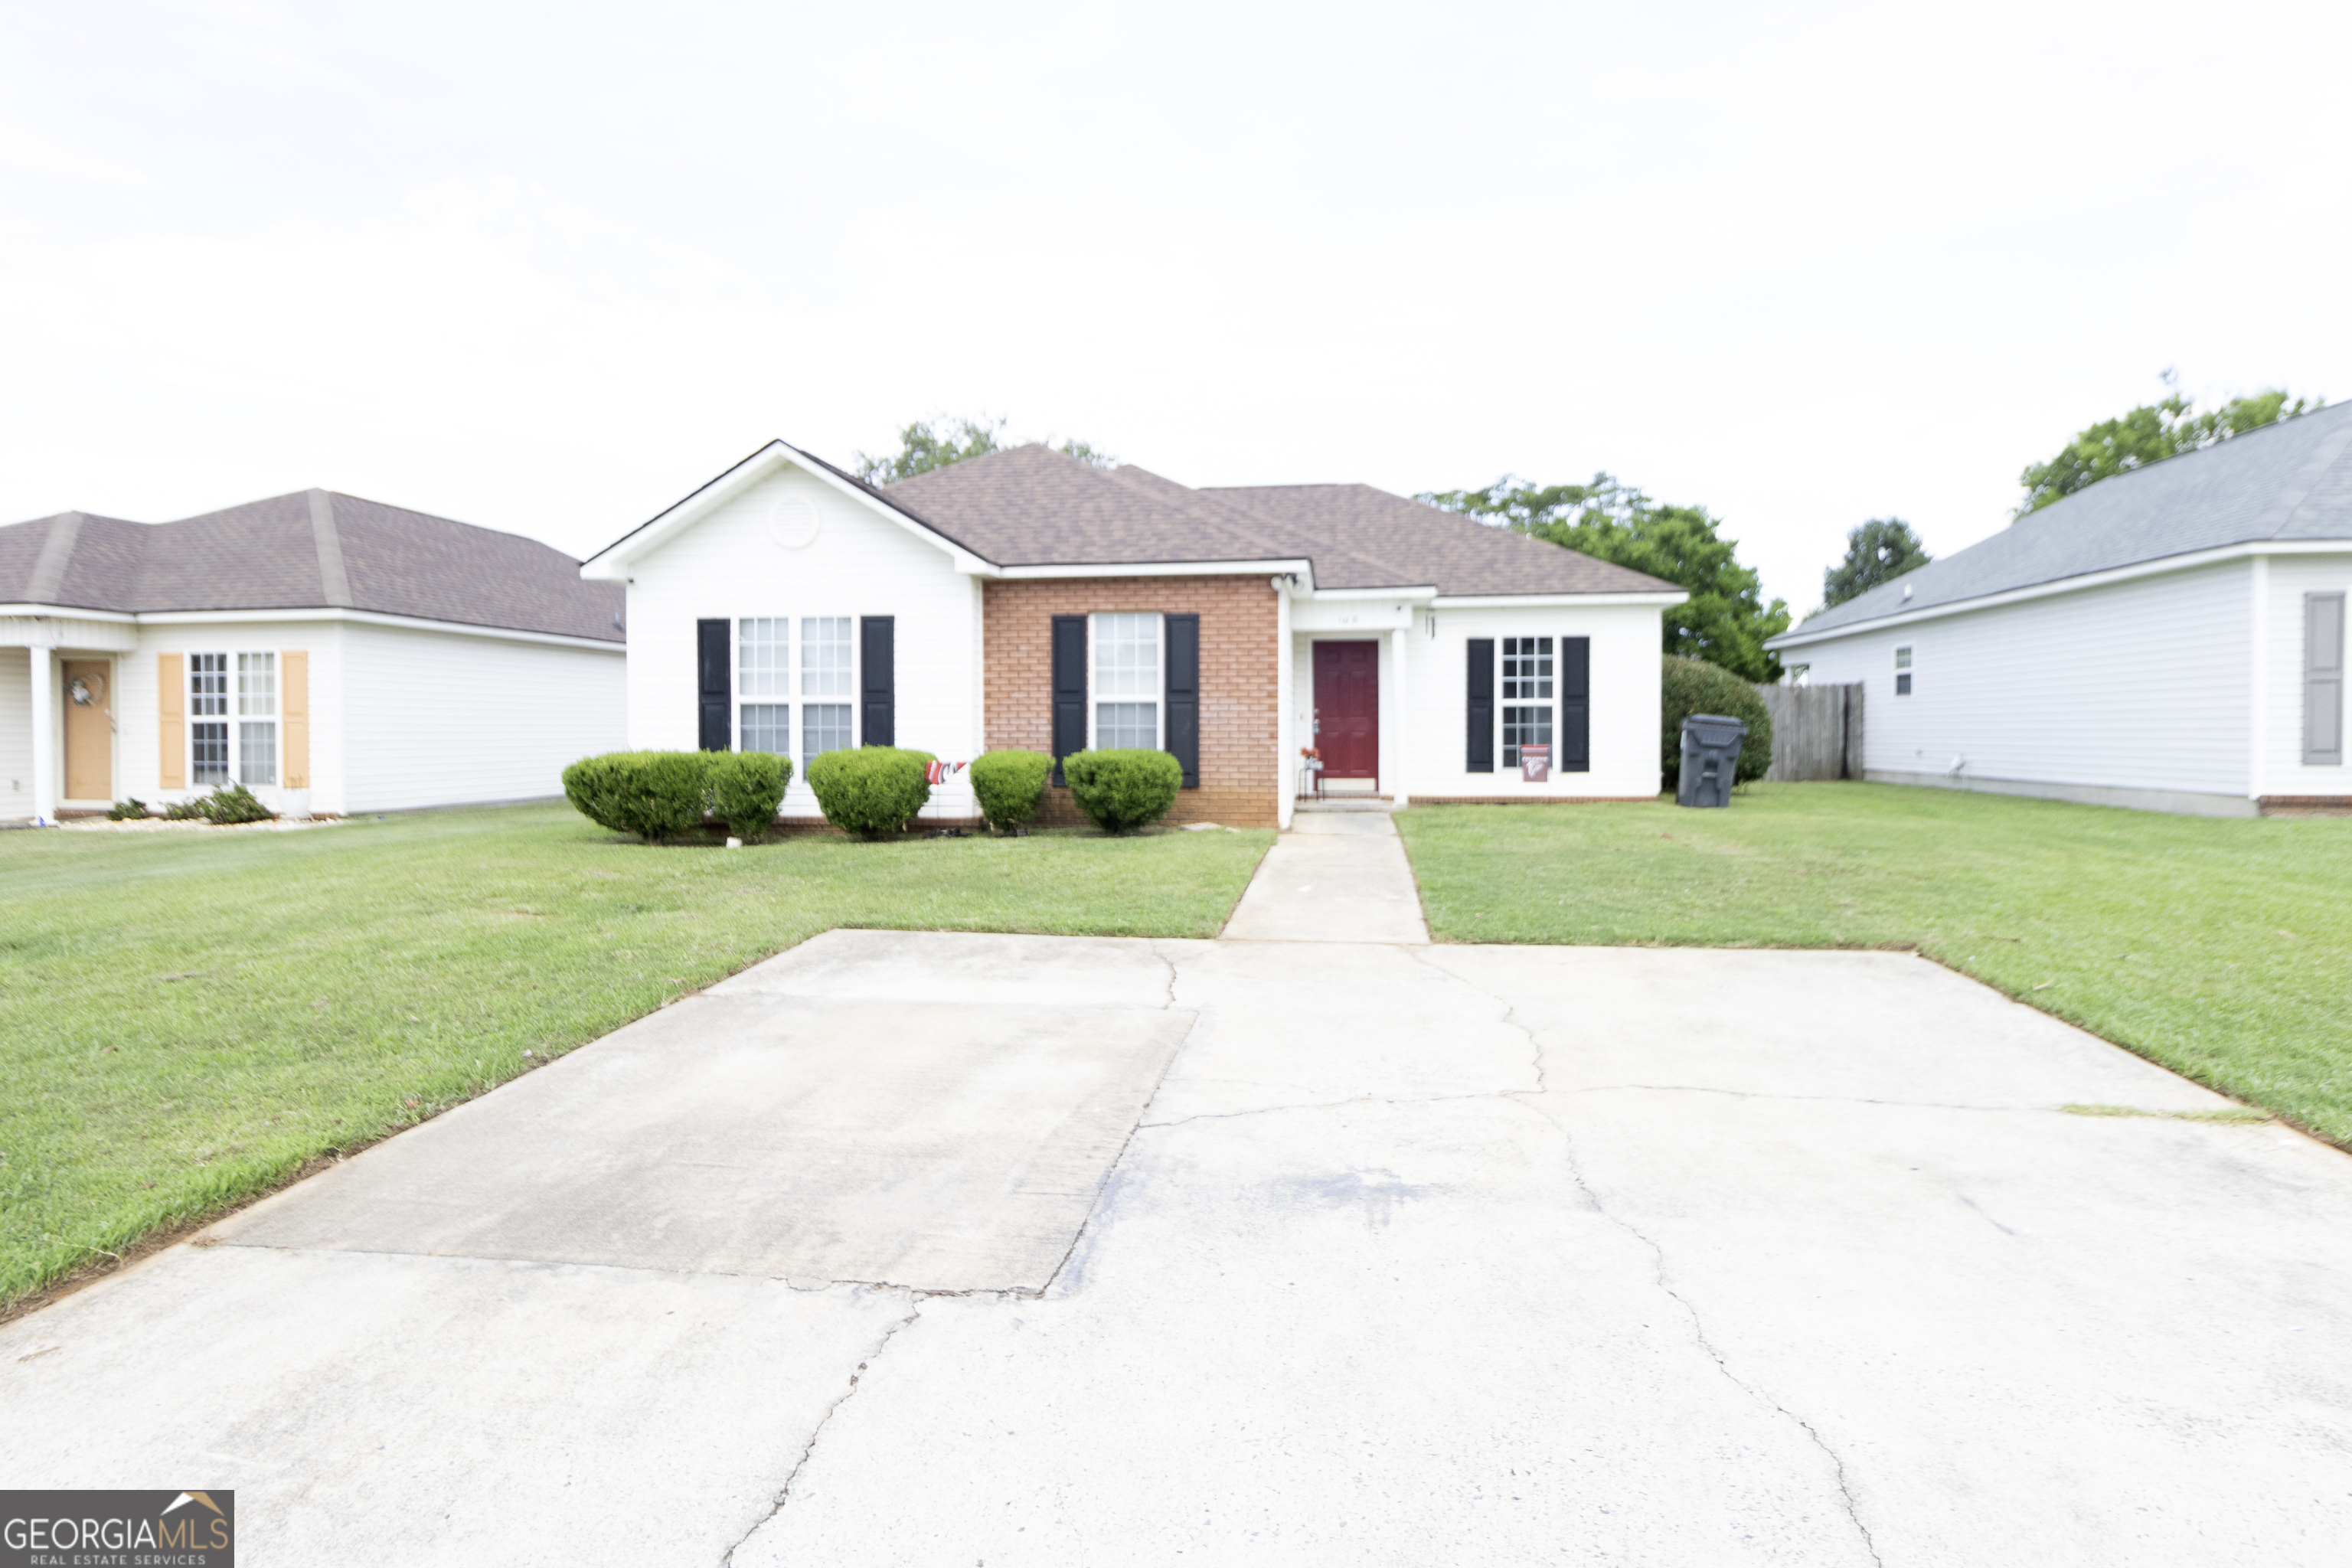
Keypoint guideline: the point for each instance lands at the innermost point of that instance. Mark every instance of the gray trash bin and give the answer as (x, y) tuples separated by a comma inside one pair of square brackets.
[(1710, 759)]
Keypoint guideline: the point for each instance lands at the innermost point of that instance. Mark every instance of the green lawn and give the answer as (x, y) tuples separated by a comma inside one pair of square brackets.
[(2220, 948), (186, 1018)]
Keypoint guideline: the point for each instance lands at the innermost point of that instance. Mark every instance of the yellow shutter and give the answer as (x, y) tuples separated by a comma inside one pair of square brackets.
[(294, 666), (172, 704)]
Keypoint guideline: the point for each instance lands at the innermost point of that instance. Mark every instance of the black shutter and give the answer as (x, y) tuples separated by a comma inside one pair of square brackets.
[(1069, 689), (1183, 636), (1572, 749), (711, 677), (1482, 706), (877, 655)]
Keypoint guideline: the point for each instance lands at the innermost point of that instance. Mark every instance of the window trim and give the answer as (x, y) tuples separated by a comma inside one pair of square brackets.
[(1546, 677), (743, 696), (795, 701), (1158, 619), (1907, 664), (233, 718)]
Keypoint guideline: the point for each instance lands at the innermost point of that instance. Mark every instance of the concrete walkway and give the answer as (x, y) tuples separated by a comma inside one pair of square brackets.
[(925, 1250), (1336, 876)]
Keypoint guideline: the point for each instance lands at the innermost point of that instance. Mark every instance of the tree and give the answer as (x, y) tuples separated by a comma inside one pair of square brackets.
[(929, 444), (1880, 550), (2149, 434), (1726, 620)]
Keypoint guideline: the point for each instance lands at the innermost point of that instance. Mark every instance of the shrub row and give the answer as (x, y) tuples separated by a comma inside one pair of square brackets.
[(660, 795), (868, 790)]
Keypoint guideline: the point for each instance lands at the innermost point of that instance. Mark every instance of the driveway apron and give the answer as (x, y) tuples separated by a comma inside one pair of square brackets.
[(933, 1249)]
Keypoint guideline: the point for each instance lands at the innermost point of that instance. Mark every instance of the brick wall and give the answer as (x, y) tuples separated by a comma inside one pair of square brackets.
[(1239, 770)]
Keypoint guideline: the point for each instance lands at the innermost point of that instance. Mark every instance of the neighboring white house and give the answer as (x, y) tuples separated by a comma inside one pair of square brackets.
[(333, 654), (1027, 599), (2171, 638)]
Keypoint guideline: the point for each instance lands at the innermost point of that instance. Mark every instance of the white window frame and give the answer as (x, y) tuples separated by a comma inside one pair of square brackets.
[(779, 673), (1546, 677), (805, 699), (235, 713), (1906, 665), (1159, 700)]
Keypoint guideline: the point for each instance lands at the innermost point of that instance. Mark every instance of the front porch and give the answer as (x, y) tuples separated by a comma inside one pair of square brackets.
[(60, 751)]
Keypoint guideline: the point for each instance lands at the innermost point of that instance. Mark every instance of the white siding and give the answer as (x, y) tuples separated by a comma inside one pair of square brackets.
[(2291, 577), (440, 719), (2141, 685), (16, 734), (1425, 720), (727, 566)]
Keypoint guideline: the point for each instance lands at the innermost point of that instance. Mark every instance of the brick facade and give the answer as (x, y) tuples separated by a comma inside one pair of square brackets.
[(1240, 774)]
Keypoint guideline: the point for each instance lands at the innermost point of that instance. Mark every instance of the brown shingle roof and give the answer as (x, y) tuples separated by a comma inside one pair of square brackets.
[(1032, 506), (266, 555)]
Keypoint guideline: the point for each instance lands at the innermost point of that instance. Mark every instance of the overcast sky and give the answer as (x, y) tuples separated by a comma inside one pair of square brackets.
[(548, 268)]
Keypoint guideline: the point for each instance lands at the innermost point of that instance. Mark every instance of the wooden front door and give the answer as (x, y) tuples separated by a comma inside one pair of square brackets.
[(89, 729), (1348, 709)]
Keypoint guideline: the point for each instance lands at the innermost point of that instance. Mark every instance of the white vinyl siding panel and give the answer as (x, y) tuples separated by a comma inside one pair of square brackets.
[(2293, 580), (728, 564), (16, 734), (438, 719), (2140, 684)]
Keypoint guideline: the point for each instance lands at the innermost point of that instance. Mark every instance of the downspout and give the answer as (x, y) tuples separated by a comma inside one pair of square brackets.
[(2259, 726)]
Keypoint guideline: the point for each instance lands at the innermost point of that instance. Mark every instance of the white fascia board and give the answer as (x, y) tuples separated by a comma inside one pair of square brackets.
[(1553, 601), (2188, 562), (1422, 595), (611, 564), (64, 612), (1159, 569), (377, 618)]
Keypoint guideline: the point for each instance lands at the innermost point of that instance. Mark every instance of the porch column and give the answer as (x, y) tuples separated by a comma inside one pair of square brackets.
[(1399, 643), (44, 743)]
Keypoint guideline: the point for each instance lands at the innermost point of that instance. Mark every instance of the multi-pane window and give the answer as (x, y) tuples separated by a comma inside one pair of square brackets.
[(766, 727), (1527, 695), (825, 727), (763, 668), (1527, 669), (1127, 684), (825, 667), (257, 712), (209, 704), (1902, 672), (763, 659), (1524, 726)]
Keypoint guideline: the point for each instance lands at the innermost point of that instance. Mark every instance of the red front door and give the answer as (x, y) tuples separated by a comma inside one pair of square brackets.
[(1348, 709)]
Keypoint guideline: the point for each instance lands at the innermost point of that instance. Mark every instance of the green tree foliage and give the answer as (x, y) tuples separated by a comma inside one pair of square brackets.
[(1879, 551), (2149, 434), (929, 444), (1726, 620)]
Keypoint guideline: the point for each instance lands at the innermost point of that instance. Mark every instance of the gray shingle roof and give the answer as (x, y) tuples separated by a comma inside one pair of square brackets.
[(279, 555), (2292, 480), (1032, 506)]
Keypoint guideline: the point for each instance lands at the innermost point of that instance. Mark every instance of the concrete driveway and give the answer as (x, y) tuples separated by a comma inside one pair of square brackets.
[(988, 1250)]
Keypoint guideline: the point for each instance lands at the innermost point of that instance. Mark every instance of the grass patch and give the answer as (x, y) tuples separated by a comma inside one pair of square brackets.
[(187, 1019), (2220, 948)]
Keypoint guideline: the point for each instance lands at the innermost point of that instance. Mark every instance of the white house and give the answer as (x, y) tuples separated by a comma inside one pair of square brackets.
[(333, 654), (2171, 638), (1027, 599)]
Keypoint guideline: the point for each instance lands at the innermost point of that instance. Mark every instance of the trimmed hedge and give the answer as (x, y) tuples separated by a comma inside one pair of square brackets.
[(1121, 790), (1009, 785), (746, 787), (871, 790), (1694, 686), (653, 795)]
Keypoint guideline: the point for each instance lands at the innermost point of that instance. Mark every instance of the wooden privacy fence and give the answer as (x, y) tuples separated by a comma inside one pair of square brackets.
[(1816, 732)]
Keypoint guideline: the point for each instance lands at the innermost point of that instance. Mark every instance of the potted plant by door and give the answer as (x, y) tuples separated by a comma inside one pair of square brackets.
[(1310, 771)]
